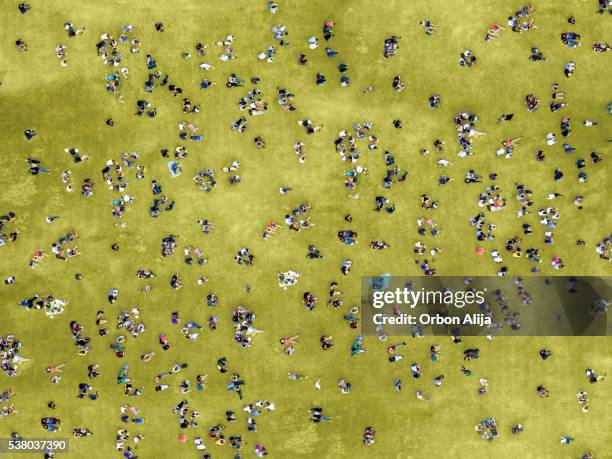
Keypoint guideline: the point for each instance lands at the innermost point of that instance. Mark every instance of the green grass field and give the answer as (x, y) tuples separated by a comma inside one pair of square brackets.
[(68, 106)]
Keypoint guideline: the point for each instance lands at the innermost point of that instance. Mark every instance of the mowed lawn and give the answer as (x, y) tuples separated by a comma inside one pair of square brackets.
[(68, 107)]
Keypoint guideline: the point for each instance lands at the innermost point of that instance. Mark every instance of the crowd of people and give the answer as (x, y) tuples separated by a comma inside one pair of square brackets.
[(355, 146)]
